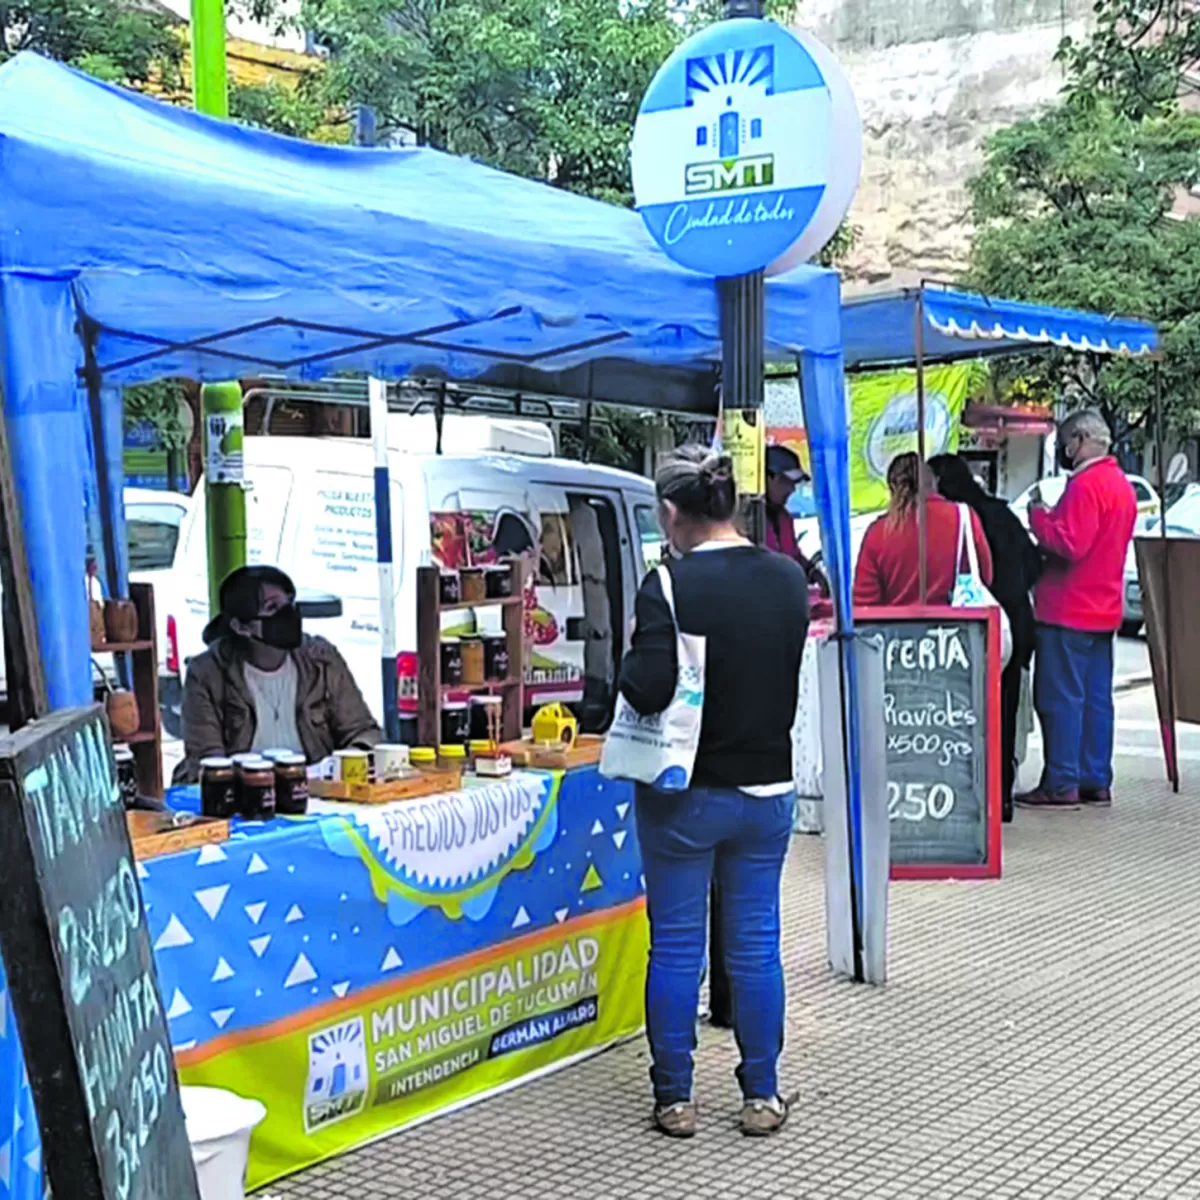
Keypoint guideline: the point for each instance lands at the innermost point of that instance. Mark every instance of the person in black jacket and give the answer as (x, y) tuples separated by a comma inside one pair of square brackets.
[(1016, 565), (734, 821)]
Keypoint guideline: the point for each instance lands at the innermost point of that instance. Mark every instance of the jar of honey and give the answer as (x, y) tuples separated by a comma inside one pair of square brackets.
[(455, 723), (495, 657), (218, 797), (424, 758), (256, 790), (453, 758), (472, 658), (474, 586), (291, 785)]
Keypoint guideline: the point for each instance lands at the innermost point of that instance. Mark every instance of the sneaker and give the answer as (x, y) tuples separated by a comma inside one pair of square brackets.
[(1096, 797), (676, 1120), (761, 1118), (1044, 798)]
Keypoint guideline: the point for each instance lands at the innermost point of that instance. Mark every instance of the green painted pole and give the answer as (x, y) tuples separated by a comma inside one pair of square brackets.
[(224, 473), (209, 91), (220, 403)]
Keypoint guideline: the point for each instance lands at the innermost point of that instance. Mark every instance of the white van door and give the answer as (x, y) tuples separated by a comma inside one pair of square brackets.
[(334, 552)]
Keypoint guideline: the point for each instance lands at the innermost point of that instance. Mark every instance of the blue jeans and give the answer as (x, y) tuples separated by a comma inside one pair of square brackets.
[(685, 838), (1072, 692)]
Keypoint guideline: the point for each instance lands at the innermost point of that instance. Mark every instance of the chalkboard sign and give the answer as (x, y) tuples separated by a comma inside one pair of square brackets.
[(81, 971), (941, 680)]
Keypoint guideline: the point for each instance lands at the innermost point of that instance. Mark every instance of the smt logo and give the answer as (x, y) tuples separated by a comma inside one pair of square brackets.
[(729, 175), (337, 1074)]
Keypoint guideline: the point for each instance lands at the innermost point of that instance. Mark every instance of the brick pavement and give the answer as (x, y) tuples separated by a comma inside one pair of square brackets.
[(1039, 1038)]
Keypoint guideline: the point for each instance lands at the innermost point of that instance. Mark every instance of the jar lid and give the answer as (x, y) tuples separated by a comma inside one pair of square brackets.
[(291, 759), (481, 746), (487, 701), (450, 641), (216, 761), (494, 637), (257, 763), (125, 754), (393, 747), (454, 706), (354, 752), (452, 751), (277, 753), (423, 754), (470, 637)]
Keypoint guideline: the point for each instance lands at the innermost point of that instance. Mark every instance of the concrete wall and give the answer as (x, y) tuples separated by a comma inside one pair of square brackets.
[(932, 79)]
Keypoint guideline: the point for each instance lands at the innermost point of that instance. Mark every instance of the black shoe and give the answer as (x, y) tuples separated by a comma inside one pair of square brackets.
[(1096, 797)]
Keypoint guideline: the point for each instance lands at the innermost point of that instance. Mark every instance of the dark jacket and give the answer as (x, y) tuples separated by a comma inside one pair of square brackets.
[(1016, 566), (218, 713)]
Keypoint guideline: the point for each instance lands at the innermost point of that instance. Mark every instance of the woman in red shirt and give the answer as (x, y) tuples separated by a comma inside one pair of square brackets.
[(888, 571)]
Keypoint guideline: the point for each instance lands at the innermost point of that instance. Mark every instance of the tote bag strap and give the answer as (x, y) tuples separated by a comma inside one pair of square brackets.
[(967, 533), (668, 591)]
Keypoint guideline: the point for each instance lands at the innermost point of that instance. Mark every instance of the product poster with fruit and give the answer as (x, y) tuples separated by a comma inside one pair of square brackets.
[(553, 594)]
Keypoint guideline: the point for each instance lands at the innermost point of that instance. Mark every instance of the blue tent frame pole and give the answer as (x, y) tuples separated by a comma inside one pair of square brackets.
[(364, 135)]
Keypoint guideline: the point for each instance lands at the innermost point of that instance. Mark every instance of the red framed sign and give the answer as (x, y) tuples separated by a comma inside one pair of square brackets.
[(941, 675)]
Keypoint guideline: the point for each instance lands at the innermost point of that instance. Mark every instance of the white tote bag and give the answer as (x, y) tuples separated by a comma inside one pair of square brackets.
[(969, 589), (660, 749)]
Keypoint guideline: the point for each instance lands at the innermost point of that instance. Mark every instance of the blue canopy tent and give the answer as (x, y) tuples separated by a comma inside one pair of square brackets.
[(139, 240), (939, 324)]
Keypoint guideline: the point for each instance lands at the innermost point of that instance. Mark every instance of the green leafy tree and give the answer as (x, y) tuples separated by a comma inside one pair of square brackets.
[(117, 42), (1077, 207)]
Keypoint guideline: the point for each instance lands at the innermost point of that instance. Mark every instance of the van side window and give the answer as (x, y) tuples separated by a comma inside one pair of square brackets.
[(556, 559), (650, 536)]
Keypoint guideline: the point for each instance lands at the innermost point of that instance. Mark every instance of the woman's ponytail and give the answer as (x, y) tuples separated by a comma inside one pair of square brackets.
[(699, 482)]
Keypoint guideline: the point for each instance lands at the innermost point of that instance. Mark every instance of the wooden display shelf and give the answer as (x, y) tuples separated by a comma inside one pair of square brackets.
[(432, 690), (501, 602), (146, 742), (429, 783), (488, 685)]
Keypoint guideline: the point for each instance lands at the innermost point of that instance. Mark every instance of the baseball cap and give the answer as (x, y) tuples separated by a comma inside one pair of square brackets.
[(782, 461), (241, 595)]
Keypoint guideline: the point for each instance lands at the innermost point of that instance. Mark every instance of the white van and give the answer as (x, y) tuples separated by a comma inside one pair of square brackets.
[(311, 511)]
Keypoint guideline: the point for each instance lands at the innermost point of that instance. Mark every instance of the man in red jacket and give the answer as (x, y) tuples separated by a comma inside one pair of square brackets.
[(1077, 603)]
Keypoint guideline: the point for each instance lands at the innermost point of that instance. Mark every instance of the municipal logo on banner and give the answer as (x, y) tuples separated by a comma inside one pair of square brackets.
[(337, 1074), (747, 143)]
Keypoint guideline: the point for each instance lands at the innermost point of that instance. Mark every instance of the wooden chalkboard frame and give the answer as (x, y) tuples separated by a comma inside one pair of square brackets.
[(990, 867), (111, 1118)]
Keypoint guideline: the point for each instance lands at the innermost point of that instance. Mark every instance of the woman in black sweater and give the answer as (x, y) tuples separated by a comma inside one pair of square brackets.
[(735, 819), (1016, 565)]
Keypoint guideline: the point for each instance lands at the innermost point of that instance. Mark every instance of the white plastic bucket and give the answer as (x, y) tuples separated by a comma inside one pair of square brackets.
[(219, 1125)]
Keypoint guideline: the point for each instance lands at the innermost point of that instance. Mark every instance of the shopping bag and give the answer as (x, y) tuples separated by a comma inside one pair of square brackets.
[(660, 749), (969, 589)]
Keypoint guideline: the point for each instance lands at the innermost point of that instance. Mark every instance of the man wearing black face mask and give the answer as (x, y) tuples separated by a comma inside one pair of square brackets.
[(263, 684)]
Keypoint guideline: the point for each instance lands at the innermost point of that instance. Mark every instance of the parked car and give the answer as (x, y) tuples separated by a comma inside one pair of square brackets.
[(1049, 492), (1183, 521), (152, 524), (311, 510)]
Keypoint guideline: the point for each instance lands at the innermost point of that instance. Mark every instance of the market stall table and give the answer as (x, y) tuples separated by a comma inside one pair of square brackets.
[(363, 967)]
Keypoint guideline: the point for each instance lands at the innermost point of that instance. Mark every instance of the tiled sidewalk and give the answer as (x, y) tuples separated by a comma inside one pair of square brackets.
[(1040, 1038)]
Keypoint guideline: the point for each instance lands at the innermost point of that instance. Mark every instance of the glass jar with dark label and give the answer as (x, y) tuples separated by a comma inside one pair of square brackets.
[(498, 582), (452, 664), (126, 775), (218, 797), (291, 785), (495, 657), (454, 724), (449, 587), (256, 790)]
